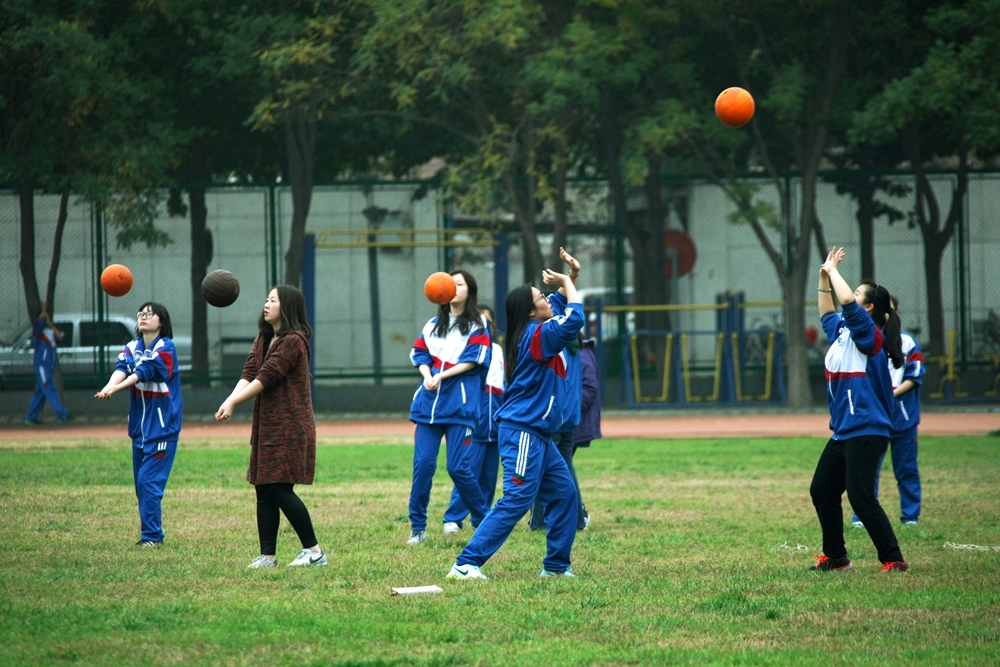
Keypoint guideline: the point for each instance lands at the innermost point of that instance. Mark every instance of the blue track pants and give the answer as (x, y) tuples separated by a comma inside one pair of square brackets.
[(484, 460), (151, 464), (427, 443), (531, 467), (45, 389)]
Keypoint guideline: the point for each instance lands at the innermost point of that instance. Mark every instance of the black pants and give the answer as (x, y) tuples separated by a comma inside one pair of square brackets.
[(272, 499), (565, 446), (851, 465)]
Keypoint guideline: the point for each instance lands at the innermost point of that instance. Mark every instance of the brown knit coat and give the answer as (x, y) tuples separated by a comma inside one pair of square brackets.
[(283, 439)]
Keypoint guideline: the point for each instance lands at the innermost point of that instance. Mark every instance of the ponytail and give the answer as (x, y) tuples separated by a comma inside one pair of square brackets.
[(887, 320), (518, 308)]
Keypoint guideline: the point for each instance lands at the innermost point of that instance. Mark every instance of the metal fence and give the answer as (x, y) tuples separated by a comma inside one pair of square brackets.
[(250, 230)]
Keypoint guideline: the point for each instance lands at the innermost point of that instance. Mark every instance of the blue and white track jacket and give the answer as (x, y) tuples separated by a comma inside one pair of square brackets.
[(859, 388), (155, 410), (45, 349), (574, 374), (536, 398), (906, 408), (486, 427), (457, 399)]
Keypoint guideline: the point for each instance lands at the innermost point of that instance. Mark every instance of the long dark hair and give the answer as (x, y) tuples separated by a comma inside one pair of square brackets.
[(518, 305), (881, 302), (490, 328), (469, 318), (292, 311), (166, 331)]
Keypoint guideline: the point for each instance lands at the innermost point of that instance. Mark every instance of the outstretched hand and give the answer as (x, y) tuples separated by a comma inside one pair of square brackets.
[(833, 259), (572, 262), (550, 277)]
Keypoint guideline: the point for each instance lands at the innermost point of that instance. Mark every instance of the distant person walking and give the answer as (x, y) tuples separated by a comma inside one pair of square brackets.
[(283, 436), (45, 335), (863, 340), (148, 365)]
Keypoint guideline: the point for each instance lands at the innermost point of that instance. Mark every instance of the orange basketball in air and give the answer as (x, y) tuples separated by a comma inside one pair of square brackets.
[(116, 280), (440, 287), (734, 107)]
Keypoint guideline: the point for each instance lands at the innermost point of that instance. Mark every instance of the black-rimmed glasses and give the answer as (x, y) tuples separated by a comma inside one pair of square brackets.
[(144, 315)]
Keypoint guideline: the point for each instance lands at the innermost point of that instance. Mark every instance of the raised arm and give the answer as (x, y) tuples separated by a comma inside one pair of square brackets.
[(837, 283)]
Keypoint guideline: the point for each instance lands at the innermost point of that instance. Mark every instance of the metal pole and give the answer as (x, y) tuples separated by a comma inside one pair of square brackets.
[(963, 288), (501, 277), (374, 216), (309, 292), (273, 220), (102, 353)]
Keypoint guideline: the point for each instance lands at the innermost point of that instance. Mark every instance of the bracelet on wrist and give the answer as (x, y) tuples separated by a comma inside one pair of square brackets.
[(827, 291)]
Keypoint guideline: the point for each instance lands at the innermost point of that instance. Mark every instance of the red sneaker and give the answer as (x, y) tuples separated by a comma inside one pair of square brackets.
[(895, 566)]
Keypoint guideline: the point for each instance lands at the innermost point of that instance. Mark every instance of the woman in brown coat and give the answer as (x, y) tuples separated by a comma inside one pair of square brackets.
[(283, 438)]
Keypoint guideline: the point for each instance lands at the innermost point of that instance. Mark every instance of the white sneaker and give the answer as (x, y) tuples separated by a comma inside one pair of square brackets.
[(262, 561), (307, 557), (546, 573), (857, 524), (909, 523), (466, 572), (450, 528), (417, 536)]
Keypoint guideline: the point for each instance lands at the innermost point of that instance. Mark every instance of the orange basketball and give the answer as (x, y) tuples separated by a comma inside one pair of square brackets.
[(440, 287), (734, 107), (116, 280)]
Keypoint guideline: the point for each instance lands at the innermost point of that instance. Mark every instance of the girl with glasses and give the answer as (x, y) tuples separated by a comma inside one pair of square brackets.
[(148, 365)]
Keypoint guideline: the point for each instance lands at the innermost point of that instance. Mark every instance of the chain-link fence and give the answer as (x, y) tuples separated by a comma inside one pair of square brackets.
[(250, 227)]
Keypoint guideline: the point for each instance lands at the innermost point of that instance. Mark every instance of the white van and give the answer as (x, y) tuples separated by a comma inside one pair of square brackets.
[(78, 349)]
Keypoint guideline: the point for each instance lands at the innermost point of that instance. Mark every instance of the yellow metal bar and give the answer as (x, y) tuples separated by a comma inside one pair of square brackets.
[(686, 371), (947, 363), (995, 358), (737, 381), (719, 343), (667, 358), (769, 370), (369, 238), (658, 308), (636, 384)]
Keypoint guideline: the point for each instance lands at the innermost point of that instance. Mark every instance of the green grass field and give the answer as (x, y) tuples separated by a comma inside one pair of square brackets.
[(683, 564)]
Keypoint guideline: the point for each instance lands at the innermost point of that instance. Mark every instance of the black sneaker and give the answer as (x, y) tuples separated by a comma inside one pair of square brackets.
[(149, 543), (895, 566), (826, 564)]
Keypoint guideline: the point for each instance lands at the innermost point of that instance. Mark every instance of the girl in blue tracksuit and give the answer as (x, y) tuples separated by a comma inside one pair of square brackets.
[(45, 334), (906, 383), (859, 391), (532, 412), (148, 365), (452, 353), (484, 457)]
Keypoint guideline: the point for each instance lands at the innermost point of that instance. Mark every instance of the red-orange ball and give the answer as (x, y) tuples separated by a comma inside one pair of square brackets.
[(440, 287), (116, 280), (734, 107)]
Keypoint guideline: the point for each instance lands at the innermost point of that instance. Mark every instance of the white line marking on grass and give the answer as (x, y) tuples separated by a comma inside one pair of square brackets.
[(970, 547)]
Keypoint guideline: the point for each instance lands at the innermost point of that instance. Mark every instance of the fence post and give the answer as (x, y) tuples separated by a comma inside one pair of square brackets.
[(309, 292)]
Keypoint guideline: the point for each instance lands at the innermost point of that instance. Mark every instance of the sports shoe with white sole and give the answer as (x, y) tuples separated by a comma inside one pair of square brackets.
[(307, 557), (857, 524), (262, 561), (546, 573), (466, 572), (450, 528), (417, 536)]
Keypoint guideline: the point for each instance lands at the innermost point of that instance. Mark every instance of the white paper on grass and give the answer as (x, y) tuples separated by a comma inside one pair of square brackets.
[(416, 590)]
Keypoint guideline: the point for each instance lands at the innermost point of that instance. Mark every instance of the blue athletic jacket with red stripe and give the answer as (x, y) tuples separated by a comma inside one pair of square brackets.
[(536, 398), (859, 388), (457, 399), (574, 375), (486, 427), (155, 409), (906, 407)]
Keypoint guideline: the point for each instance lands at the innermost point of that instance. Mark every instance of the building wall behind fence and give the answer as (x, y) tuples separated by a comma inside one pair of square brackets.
[(729, 259)]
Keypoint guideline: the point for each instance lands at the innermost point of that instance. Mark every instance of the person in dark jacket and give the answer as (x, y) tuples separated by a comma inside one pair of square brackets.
[(283, 437)]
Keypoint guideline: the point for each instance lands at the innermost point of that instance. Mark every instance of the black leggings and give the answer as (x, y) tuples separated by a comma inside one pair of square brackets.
[(272, 499), (564, 444), (851, 465)]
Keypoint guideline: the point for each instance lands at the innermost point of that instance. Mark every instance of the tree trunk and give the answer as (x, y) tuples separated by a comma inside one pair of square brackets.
[(866, 228), (933, 253), (200, 241), (560, 223), (652, 287), (300, 143), (33, 300), (50, 289), (609, 130)]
